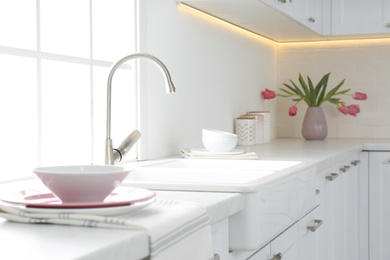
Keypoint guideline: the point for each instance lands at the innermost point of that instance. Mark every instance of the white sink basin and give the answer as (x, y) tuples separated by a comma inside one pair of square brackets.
[(242, 165), (228, 173), (275, 193)]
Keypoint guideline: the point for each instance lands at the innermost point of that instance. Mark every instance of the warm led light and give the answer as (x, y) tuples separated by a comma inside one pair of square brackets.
[(226, 23), (326, 41)]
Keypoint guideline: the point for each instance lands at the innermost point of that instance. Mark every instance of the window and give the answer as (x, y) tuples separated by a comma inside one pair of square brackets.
[(55, 57)]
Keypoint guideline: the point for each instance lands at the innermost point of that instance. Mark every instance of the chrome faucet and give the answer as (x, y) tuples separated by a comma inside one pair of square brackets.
[(115, 155)]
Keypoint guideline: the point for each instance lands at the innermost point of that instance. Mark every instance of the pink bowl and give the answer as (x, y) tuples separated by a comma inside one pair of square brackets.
[(81, 183)]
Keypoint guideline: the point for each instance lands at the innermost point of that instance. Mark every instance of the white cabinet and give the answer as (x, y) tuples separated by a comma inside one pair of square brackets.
[(285, 246), (360, 17), (262, 254), (379, 206), (310, 230), (339, 200), (306, 12)]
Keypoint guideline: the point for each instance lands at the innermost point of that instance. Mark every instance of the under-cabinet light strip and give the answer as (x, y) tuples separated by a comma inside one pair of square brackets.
[(232, 25), (327, 41)]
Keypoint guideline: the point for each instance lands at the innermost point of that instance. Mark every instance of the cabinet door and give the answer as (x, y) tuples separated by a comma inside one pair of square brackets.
[(310, 230), (285, 246), (262, 254), (352, 208), (306, 12), (360, 17), (339, 197), (333, 213), (379, 206)]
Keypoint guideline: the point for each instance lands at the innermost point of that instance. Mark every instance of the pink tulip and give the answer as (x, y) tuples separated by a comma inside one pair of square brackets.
[(353, 110), (268, 94), (342, 109), (292, 111), (359, 96)]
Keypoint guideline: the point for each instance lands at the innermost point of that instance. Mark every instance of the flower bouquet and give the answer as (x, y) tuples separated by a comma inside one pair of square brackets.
[(314, 124), (315, 96)]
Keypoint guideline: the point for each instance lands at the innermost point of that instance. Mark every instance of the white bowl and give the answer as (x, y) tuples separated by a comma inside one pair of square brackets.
[(219, 144), (81, 183), (217, 134)]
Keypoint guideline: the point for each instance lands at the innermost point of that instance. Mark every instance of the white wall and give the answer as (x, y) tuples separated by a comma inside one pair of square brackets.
[(364, 64), (218, 72)]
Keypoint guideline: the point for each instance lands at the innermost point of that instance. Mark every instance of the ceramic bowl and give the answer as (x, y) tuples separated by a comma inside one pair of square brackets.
[(218, 141), (213, 133), (81, 183)]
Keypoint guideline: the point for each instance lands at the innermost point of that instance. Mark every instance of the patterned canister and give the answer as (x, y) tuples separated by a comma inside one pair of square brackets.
[(246, 130), (259, 126), (266, 123)]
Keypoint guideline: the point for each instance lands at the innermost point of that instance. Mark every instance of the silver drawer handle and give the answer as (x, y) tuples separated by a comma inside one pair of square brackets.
[(345, 168), (318, 223), (332, 176), (278, 256), (355, 162)]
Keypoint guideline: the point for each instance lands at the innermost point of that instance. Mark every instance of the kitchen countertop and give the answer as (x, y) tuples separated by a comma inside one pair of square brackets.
[(37, 241), (23, 241), (323, 154)]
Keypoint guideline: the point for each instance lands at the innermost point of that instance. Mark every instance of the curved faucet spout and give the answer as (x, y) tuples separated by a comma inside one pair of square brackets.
[(115, 155)]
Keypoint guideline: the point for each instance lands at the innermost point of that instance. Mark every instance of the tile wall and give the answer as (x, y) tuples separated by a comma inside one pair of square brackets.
[(366, 67)]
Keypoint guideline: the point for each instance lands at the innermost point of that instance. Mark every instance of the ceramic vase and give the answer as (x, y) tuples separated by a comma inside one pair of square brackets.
[(314, 125)]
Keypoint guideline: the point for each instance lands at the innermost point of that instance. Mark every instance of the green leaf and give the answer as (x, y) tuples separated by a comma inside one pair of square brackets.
[(313, 95), (332, 92), (322, 84)]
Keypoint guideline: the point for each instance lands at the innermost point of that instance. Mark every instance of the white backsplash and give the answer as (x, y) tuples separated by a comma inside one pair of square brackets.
[(218, 72)]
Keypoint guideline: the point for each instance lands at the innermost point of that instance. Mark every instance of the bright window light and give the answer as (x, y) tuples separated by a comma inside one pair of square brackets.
[(55, 57)]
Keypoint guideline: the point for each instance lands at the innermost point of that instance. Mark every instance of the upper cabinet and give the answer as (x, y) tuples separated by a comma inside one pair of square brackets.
[(353, 17), (279, 20), (305, 12), (302, 20)]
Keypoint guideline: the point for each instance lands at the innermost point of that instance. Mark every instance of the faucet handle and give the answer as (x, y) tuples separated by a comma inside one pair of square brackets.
[(126, 145)]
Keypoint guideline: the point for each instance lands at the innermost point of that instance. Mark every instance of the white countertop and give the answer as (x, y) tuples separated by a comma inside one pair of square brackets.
[(37, 241), (24, 241)]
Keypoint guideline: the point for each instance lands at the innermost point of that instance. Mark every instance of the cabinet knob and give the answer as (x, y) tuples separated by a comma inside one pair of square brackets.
[(355, 162), (216, 257), (332, 176), (312, 20), (388, 25), (317, 224), (278, 256), (282, 1)]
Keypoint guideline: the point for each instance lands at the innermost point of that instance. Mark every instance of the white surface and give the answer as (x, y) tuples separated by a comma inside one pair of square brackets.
[(70, 243), (205, 174), (45, 241), (262, 19), (207, 94), (48, 242), (379, 193), (219, 144), (360, 17)]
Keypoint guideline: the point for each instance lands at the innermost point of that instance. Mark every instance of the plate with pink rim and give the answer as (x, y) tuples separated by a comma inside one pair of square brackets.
[(122, 200)]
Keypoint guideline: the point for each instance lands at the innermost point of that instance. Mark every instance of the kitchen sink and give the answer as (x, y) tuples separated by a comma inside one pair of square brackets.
[(276, 193), (244, 173)]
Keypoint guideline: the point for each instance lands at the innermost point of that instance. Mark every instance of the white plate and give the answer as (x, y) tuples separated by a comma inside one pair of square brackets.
[(121, 201), (108, 211), (204, 151)]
